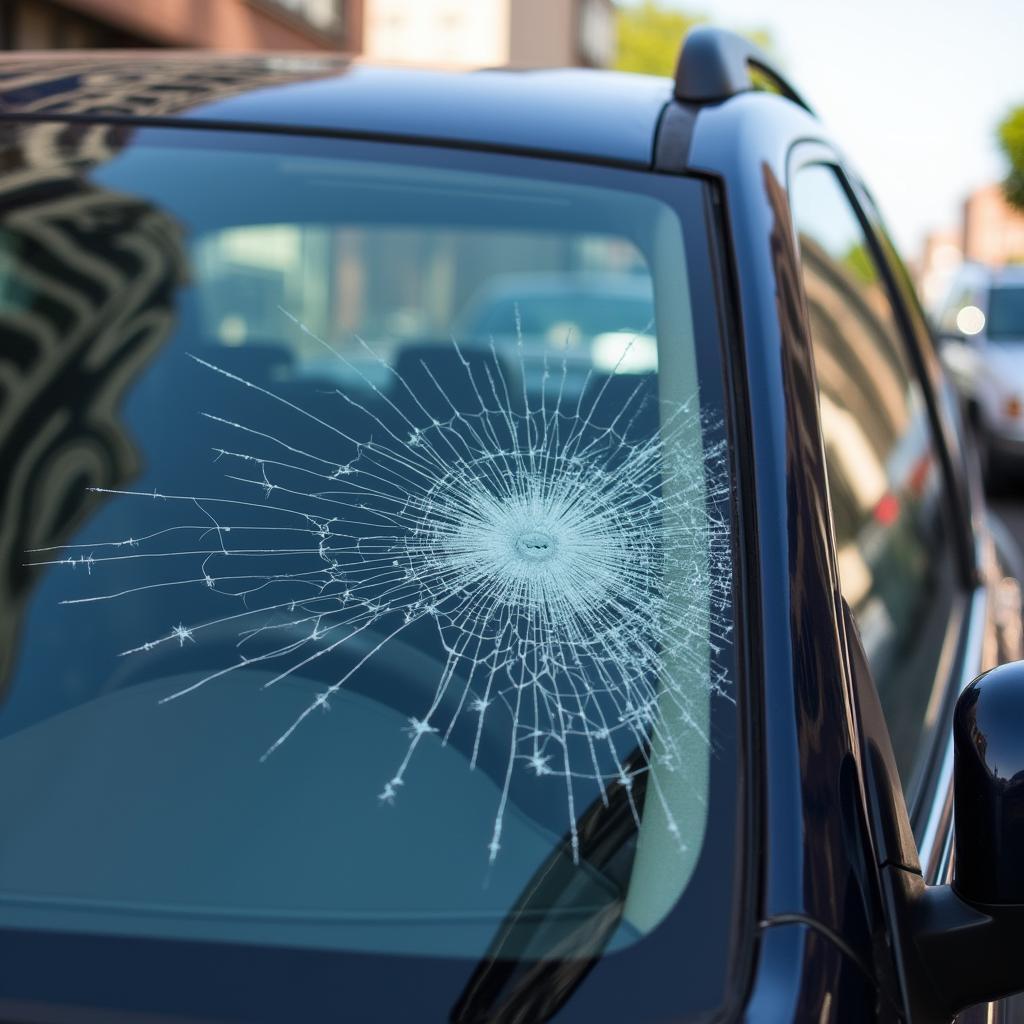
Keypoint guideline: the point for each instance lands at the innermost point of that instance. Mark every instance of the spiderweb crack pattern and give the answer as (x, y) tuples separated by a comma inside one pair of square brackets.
[(575, 577)]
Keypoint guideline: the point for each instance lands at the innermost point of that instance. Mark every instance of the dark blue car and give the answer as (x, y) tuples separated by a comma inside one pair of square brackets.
[(484, 547)]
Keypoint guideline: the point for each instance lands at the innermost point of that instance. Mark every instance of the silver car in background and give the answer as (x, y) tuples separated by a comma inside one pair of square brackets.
[(981, 333)]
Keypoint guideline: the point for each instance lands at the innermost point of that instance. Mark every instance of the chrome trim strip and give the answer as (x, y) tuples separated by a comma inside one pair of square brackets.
[(944, 867), (934, 727), (935, 848)]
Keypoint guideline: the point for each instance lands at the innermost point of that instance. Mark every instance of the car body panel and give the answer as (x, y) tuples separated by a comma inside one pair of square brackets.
[(746, 143), (803, 975)]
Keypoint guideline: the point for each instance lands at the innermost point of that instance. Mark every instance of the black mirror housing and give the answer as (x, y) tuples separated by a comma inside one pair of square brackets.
[(963, 940), (988, 738)]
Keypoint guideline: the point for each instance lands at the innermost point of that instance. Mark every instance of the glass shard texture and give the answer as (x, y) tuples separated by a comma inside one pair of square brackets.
[(555, 558)]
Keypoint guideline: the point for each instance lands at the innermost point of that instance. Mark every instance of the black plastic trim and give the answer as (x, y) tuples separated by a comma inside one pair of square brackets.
[(954, 954), (715, 64), (673, 138)]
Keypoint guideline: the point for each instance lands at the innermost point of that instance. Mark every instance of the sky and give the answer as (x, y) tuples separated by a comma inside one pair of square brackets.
[(912, 90)]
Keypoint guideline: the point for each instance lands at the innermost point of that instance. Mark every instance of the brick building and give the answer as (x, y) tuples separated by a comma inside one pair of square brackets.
[(219, 24), (993, 232), (990, 231)]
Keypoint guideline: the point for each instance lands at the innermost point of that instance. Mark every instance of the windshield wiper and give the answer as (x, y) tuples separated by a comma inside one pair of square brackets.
[(563, 919)]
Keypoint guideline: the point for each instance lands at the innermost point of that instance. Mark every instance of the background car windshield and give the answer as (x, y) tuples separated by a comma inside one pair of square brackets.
[(369, 533), (1006, 313)]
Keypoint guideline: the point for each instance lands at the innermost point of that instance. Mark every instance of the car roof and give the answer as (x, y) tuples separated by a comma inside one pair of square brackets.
[(602, 115)]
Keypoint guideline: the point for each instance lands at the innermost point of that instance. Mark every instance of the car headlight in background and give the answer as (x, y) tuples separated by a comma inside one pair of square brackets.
[(970, 320), (624, 352)]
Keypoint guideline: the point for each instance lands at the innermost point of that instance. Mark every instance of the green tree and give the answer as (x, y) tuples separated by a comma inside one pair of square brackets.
[(858, 260), (649, 34), (1011, 139)]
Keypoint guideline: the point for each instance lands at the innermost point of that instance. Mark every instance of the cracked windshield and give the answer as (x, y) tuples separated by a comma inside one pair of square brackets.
[(368, 546)]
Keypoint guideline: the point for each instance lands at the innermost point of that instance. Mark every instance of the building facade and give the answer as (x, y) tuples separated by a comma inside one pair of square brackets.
[(448, 33), (993, 231), (215, 24), (490, 33), (990, 231)]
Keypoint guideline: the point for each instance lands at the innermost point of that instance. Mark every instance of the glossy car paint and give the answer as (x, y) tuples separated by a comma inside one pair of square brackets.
[(990, 785), (833, 836)]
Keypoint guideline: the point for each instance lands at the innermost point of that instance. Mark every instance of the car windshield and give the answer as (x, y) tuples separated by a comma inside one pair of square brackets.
[(368, 552), (1006, 313)]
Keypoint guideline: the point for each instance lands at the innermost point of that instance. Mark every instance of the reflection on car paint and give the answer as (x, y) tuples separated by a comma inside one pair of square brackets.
[(78, 262)]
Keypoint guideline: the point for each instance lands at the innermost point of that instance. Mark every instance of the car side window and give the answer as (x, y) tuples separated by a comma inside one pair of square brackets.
[(893, 539)]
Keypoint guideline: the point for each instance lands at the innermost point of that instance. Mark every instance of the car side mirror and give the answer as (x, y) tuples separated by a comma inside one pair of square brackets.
[(968, 935), (988, 795)]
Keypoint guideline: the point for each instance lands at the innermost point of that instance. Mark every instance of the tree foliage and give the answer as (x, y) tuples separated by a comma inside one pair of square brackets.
[(650, 32), (649, 36), (1011, 139)]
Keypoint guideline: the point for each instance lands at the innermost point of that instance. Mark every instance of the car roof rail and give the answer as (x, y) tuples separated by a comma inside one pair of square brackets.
[(715, 64)]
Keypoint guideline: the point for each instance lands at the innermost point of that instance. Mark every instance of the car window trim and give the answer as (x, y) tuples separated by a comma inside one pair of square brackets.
[(932, 824)]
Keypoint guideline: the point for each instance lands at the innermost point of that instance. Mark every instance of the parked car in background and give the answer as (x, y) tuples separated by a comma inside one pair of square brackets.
[(981, 331), (494, 547), (583, 319)]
